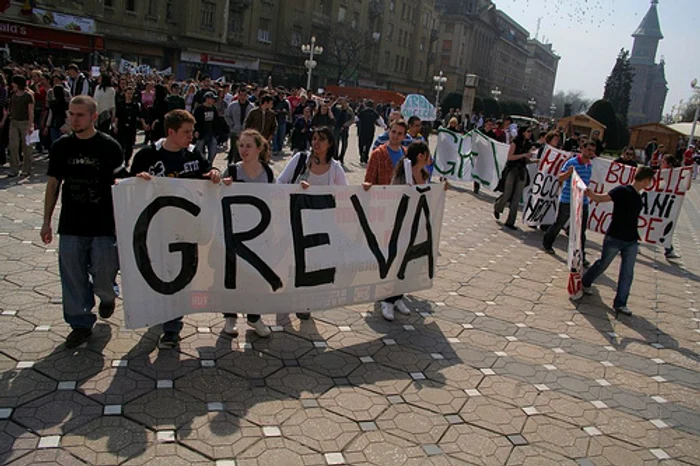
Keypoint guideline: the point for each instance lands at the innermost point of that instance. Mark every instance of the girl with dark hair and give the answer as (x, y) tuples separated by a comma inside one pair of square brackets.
[(301, 134), (323, 116), (58, 111), (156, 114), (253, 168), (319, 167), (106, 103), (515, 176)]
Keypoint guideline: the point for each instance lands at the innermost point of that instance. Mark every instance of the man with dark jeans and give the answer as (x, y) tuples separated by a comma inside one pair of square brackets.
[(85, 163), (205, 129), (582, 164), (622, 236), (174, 157), (344, 118), (367, 119)]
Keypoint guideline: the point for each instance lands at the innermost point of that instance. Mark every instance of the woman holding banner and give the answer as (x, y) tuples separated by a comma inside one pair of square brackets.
[(318, 167), (253, 168), (515, 176)]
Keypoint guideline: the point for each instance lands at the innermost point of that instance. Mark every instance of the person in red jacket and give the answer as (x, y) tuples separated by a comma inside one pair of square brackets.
[(381, 164), (688, 156)]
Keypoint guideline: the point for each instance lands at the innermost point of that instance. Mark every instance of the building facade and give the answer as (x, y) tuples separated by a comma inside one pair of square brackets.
[(649, 87), (540, 75)]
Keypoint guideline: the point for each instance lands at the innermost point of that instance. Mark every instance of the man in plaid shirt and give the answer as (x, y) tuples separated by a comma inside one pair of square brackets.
[(385, 157)]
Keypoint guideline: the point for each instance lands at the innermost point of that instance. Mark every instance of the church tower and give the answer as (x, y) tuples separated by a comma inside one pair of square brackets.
[(649, 88)]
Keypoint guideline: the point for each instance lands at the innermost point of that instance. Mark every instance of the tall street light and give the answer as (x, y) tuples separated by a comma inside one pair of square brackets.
[(552, 110), (312, 49), (694, 85), (532, 103), (496, 93), (439, 81)]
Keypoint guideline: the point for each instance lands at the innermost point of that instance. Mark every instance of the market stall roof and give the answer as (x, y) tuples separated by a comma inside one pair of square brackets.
[(686, 128)]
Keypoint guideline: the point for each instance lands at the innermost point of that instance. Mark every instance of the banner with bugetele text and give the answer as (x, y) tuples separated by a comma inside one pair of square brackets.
[(192, 246), (661, 201)]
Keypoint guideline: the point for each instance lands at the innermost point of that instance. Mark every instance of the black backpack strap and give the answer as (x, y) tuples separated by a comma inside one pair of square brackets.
[(233, 172), (300, 168), (270, 174)]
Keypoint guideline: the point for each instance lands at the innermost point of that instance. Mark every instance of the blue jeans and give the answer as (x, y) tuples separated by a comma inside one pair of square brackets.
[(88, 266), (208, 141), (563, 214), (278, 140), (628, 251)]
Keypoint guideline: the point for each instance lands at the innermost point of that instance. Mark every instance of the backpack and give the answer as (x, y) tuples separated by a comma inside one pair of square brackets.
[(233, 171)]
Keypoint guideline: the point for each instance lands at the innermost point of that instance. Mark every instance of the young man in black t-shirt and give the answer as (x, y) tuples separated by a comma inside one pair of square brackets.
[(174, 158), (622, 236), (84, 164)]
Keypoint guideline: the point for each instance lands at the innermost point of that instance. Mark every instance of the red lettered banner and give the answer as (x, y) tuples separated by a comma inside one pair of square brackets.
[(575, 260)]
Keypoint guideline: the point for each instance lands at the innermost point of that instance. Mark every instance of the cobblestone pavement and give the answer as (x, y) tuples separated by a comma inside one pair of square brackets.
[(496, 366)]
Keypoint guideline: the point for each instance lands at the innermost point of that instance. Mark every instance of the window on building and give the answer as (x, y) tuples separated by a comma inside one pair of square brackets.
[(235, 21), (392, 5), (426, 19), (390, 31), (130, 5), (446, 45), (170, 10), (396, 63), (421, 47), (152, 9), (109, 3), (403, 11), (207, 14), (264, 31), (387, 59), (342, 12), (408, 64), (296, 39), (420, 67), (449, 28)]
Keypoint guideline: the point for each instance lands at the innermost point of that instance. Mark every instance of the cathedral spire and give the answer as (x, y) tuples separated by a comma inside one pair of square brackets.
[(650, 25)]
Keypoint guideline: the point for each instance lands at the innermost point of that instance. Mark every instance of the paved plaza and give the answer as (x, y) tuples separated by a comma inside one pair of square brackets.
[(495, 367)]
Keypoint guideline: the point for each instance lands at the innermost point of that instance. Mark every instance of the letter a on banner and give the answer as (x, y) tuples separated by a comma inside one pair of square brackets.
[(575, 261)]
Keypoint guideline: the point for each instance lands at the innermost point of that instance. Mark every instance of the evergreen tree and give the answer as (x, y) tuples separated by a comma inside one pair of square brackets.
[(619, 85)]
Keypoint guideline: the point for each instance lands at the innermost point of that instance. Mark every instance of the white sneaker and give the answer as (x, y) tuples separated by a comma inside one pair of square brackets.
[(401, 307), (260, 328), (387, 310), (230, 326)]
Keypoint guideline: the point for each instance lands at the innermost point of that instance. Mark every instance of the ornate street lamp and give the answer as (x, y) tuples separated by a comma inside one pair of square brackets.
[(439, 81), (496, 93), (532, 103), (312, 49), (552, 110)]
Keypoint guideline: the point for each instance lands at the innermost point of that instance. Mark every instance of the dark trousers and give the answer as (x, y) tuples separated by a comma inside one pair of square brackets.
[(342, 138), (562, 217), (233, 155), (251, 317), (365, 146), (126, 139)]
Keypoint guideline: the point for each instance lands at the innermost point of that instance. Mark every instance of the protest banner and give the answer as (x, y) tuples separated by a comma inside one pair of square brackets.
[(469, 157), (575, 259), (418, 105), (661, 202), (191, 246)]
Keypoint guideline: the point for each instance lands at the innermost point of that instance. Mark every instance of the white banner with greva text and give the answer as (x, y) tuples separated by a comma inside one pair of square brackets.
[(190, 246), (470, 157)]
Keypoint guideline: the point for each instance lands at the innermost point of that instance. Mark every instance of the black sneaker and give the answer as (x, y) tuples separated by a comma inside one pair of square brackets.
[(510, 227), (586, 264), (77, 337), (106, 310), (548, 249), (169, 340), (497, 215), (304, 315)]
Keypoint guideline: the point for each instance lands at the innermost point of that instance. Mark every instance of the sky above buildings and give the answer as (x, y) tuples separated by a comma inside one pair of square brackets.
[(588, 34)]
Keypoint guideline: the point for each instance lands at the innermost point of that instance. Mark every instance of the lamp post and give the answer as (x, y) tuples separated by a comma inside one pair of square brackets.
[(439, 81), (552, 110), (496, 93), (312, 49), (532, 103), (694, 86), (471, 82)]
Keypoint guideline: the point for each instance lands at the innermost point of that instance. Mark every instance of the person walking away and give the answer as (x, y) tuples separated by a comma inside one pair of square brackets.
[(205, 128), (582, 164), (367, 119), (20, 118), (344, 118), (515, 176), (235, 116), (174, 157), (83, 166), (622, 237), (301, 134), (282, 110), (106, 106), (127, 123), (253, 168), (263, 118)]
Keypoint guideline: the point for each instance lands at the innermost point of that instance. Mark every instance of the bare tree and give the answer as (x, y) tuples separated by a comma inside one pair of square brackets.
[(346, 46)]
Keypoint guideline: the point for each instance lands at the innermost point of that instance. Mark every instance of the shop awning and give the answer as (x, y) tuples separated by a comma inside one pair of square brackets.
[(36, 36)]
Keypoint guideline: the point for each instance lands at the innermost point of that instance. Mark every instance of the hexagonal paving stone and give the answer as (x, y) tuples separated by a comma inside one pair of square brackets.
[(493, 415), (320, 430), (283, 346), (116, 386), (565, 439), (219, 435), (382, 449), (279, 451), (354, 403), (108, 440), (19, 300), (164, 409), (607, 451), (454, 373), (251, 364), (508, 390), (475, 445), (299, 382), (208, 345), (15, 441), (168, 454), (262, 406), (312, 329), (13, 327), (403, 359), (52, 456), (536, 456), (33, 346), (58, 413), (412, 423), (71, 365), (380, 379), (435, 397), (338, 316), (568, 409), (160, 365), (332, 363), (43, 314), (212, 384), (20, 386)]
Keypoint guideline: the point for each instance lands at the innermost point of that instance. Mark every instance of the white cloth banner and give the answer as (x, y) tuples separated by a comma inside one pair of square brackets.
[(575, 259), (661, 202), (418, 105), (191, 246), (470, 157)]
